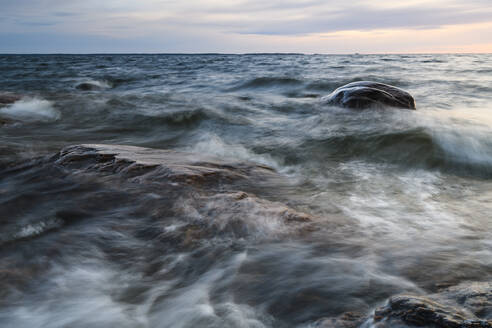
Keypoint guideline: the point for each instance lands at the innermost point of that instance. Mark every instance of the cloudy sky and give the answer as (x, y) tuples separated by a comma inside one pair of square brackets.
[(239, 26)]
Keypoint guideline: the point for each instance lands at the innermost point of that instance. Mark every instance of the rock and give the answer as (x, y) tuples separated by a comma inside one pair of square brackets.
[(473, 296), (4, 121), (240, 214), (346, 320), (8, 98), (367, 94), (92, 85), (153, 165), (208, 197), (422, 311), (85, 86), (467, 305)]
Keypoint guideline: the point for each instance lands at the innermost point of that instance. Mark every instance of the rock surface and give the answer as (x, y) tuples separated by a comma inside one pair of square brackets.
[(466, 305), (208, 197), (8, 98), (148, 164), (474, 296), (367, 94), (346, 320), (92, 86)]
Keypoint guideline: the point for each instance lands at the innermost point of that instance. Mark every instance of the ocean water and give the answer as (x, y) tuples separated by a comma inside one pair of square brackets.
[(401, 200)]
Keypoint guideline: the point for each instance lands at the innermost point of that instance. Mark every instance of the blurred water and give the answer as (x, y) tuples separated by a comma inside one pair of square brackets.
[(401, 199)]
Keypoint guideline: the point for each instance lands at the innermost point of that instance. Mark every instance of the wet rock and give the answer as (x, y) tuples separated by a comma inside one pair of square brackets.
[(92, 85), (86, 86), (147, 165), (367, 94), (346, 320), (239, 214), (206, 197), (8, 98), (4, 121), (422, 311), (466, 305), (473, 296)]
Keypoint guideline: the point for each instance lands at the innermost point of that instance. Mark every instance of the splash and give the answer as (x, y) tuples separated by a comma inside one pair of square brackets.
[(91, 85), (31, 109)]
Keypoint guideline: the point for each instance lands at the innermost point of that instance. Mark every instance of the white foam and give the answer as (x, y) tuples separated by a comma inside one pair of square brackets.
[(31, 109), (38, 228), (77, 297), (463, 134), (211, 144), (240, 215), (101, 84), (192, 305)]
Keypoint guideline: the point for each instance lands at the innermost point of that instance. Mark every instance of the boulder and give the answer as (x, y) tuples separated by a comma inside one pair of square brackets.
[(367, 94)]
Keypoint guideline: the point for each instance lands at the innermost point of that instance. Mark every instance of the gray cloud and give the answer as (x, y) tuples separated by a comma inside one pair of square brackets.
[(256, 16), (194, 21)]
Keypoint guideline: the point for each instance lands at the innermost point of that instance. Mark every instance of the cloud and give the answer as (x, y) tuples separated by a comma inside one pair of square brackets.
[(218, 24)]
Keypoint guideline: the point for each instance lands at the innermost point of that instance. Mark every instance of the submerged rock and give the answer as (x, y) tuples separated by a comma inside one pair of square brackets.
[(346, 320), (152, 165), (366, 94), (92, 85), (8, 98), (206, 197), (473, 296), (467, 305), (423, 311), (4, 121), (87, 86)]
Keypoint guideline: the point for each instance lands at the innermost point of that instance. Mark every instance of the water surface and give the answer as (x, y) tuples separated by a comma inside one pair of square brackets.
[(401, 200)]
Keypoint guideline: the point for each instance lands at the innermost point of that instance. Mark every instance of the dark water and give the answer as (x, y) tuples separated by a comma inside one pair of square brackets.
[(401, 199)]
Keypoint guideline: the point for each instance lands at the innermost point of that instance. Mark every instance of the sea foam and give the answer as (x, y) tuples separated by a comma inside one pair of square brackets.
[(31, 109)]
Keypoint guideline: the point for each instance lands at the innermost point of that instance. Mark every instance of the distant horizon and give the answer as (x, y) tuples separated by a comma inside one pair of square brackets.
[(245, 53)]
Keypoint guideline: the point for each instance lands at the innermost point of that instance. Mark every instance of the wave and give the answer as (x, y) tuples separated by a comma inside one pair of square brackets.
[(425, 143), (92, 85), (32, 230), (212, 144), (30, 109), (267, 82), (175, 118), (330, 85)]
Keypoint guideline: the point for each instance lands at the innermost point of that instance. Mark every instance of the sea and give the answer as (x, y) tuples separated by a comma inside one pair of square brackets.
[(398, 201)]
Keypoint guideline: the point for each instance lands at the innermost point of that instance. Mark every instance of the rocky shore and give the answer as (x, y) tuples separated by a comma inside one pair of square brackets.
[(467, 305)]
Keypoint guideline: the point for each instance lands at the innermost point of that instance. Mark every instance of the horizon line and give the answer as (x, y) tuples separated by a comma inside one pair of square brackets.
[(244, 53)]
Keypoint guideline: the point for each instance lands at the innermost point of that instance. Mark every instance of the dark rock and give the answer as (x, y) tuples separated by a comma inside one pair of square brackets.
[(8, 98), (213, 198), (473, 296), (422, 311), (346, 320), (88, 86), (4, 121), (366, 94), (467, 305), (147, 165)]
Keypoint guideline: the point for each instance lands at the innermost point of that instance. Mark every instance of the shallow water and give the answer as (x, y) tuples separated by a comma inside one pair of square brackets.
[(401, 200)]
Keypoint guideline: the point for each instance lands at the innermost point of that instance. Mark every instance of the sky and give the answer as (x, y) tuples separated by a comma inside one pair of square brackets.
[(245, 26)]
